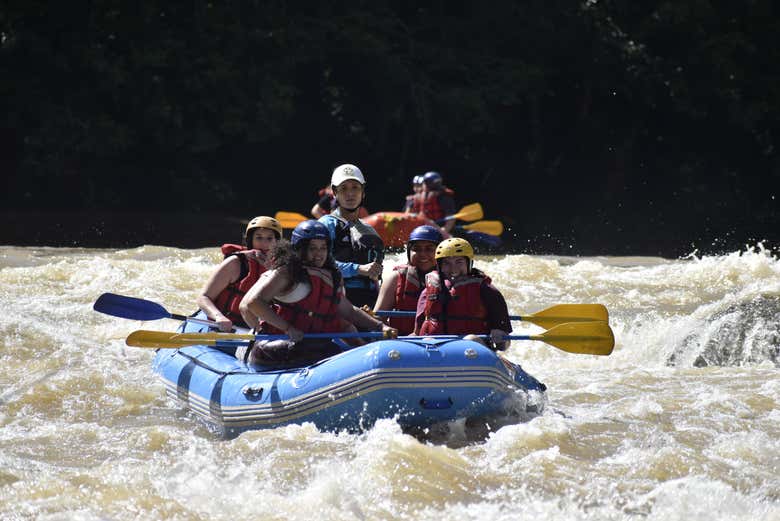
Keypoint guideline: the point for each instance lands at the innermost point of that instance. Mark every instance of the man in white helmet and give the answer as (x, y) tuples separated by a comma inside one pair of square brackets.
[(357, 247)]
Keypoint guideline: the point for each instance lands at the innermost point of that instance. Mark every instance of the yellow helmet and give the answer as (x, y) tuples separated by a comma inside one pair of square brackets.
[(262, 221), (454, 247)]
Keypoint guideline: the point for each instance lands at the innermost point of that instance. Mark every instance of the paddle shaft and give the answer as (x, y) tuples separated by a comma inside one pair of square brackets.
[(594, 338), (163, 339), (200, 321), (211, 340), (398, 313), (140, 309), (530, 318), (236, 343)]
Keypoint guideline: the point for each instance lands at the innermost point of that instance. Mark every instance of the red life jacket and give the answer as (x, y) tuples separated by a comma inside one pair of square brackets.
[(456, 309), (315, 313), (427, 203), (407, 290), (228, 300)]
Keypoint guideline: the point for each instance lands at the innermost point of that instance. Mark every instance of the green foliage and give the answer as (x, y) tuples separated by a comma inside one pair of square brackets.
[(616, 99)]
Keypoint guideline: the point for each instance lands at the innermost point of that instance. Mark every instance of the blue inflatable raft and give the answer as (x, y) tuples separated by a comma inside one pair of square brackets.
[(420, 383)]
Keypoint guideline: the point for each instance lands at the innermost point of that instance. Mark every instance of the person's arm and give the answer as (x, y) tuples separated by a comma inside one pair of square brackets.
[(497, 315), (386, 298), (316, 211), (227, 273), (322, 206), (419, 318), (447, 204), (348, 269), (256, 304)]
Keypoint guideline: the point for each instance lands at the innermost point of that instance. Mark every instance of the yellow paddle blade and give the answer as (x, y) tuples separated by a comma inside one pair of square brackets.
[(290, 219), (585, 338), (489, 227), (470, 212), (157, 339), (563, 313)]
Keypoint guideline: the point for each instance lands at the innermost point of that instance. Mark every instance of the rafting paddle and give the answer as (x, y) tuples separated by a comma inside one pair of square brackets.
[(488, 227), (290, 219), (158, 339), (590, 338), (470, 212), (139, 309), (547, 318)]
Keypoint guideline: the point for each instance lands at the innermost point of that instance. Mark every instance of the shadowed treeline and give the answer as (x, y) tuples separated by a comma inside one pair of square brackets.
[(591, 127)]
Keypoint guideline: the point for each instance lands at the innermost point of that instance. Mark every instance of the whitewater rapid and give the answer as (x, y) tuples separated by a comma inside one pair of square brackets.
[(682, 421)]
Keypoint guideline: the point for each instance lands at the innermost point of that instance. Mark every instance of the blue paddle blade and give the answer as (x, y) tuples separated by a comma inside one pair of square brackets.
[(129, 307), (484, 238)]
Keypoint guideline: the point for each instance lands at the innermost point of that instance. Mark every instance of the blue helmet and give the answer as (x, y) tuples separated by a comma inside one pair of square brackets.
[(308, 230), (432, 179), (426, 232)]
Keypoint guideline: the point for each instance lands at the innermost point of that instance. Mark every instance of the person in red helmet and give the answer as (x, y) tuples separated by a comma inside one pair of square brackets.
[(402, 287), (242, 267)]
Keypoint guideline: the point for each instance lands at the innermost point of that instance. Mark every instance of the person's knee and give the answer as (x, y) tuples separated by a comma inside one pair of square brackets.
[(350, 328), (270, 352)]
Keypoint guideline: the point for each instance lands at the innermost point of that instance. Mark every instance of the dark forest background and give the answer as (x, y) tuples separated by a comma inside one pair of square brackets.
[(592, 127)]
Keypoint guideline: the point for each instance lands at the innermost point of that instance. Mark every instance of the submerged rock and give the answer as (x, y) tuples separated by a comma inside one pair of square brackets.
[(747, 333)]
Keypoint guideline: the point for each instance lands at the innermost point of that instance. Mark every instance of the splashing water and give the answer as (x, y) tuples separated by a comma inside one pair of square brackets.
[(680, 422)]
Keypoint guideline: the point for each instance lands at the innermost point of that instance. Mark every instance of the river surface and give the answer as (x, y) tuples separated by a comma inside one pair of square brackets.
[(681, 422)]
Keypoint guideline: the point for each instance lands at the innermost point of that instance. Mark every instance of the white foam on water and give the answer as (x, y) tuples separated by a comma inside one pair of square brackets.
[(86, 431)]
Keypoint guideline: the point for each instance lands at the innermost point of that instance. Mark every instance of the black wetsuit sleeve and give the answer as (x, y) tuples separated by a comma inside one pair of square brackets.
[(447, 204), (325, 203), (497, 313)]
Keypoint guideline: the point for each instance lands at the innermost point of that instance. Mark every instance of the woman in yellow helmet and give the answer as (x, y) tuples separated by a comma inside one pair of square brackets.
[(459, 299), (241, 268)]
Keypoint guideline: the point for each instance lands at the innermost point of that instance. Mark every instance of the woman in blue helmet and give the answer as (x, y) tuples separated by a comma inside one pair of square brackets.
[(402, 287), (357, 248), (302, 293)]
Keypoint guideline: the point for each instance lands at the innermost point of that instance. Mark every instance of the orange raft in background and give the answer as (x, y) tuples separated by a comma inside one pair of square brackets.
[(394, 227)]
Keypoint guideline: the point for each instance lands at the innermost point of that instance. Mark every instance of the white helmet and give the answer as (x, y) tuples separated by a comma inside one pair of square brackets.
[(344, 172)]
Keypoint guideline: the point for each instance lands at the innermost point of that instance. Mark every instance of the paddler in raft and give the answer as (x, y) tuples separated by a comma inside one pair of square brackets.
[(240, 269), (401, 288), (459, 299), (302, 293), (327, 203), (417, 186), (435, 201), (356, 247)]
